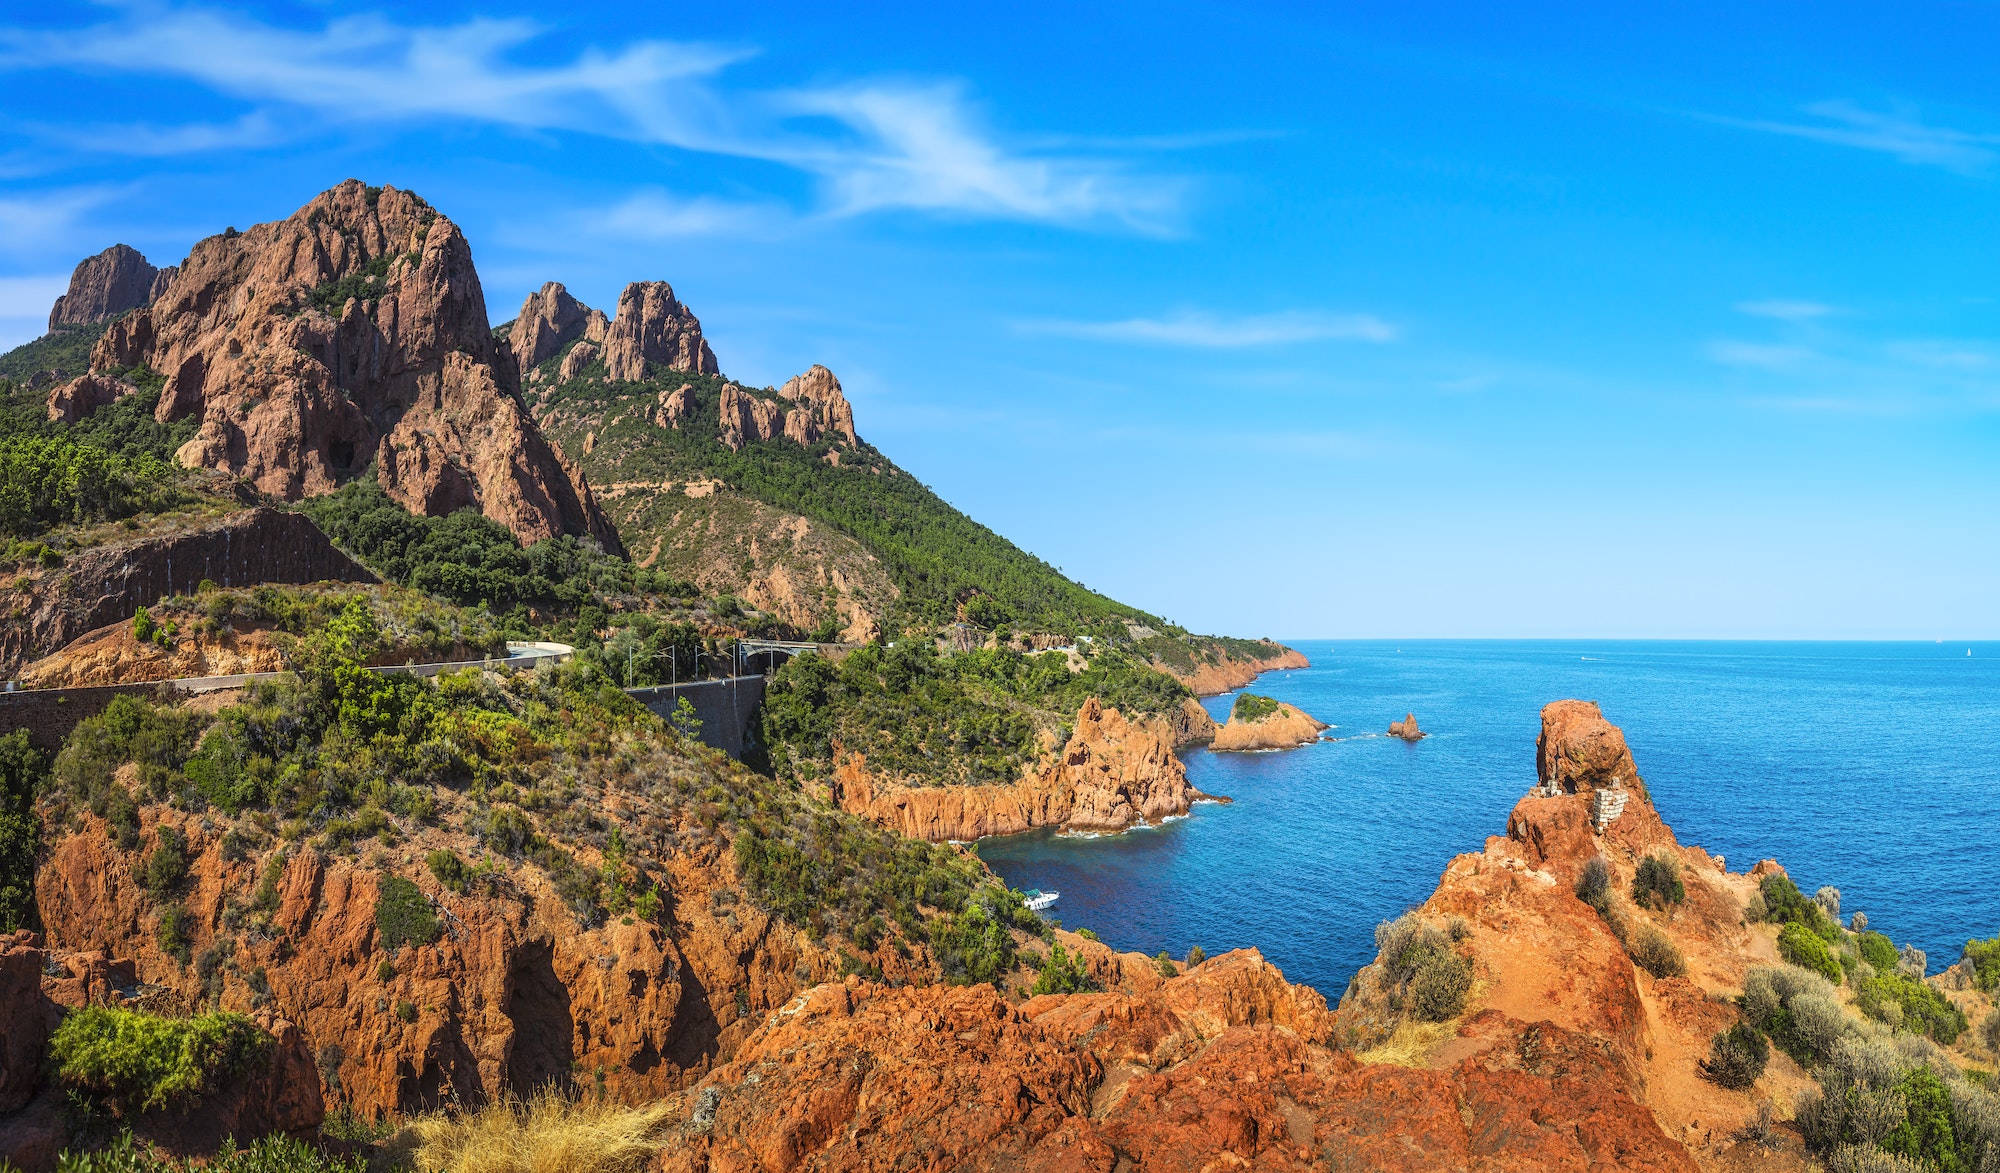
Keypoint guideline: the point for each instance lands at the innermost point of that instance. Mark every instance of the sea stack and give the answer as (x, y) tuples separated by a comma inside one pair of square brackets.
[(1407, 728)]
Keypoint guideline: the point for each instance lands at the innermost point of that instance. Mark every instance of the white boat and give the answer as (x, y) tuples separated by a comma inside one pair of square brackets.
[(1037, 900)]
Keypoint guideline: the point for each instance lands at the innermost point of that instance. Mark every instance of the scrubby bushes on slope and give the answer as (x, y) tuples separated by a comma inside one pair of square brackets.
[(1421, 971), (970, 718)]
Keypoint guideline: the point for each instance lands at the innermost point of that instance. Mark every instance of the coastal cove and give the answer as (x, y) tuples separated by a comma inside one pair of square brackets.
[(1862, 765)]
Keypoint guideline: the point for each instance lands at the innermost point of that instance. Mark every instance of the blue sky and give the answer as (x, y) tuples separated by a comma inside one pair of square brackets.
[(1389, 320)]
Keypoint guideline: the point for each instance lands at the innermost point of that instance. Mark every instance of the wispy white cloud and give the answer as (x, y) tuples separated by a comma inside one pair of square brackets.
[(1900, 132), (661, 215), (31, 296), (1787, 311), (1213, 331), (870, 147), (1759, 355), (255, 129), (34, 223)]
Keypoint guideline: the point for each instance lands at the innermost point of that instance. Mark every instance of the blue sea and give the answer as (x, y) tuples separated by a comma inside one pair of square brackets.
[(1874, 767)]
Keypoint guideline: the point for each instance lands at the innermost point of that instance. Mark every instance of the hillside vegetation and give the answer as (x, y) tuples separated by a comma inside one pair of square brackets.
[(939, 559)]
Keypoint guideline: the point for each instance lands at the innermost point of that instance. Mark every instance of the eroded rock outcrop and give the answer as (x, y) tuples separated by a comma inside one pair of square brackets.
[(1222, 1067), (106, 285), (1547, 966), (1287, 728), (1407, 729), (71, 401), (354, 330), (549, 320), (822, 409), (1112, 774), (654, 331), (747, 417)]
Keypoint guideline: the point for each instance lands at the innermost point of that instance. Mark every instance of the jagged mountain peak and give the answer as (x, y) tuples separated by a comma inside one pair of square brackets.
[(353, 331)]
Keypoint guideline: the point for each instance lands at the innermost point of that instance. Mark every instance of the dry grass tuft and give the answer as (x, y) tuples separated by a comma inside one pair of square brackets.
[(1411, 1045), (546, 1134)]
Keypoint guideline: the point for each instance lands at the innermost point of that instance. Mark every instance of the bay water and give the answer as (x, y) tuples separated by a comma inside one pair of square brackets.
[(1874, 767)]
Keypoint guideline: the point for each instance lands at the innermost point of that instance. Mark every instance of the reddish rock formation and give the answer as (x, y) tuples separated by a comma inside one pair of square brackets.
[(653, 331), (822, 409), (514, 995), (1112, 774), (71, 401), (580, 356), (353, 330), (674, 406), (1407, 729), (1223, 1067), (1579, 750), (746, 417), (1288, 728), (104, 286), (549, 320), (105, 584)]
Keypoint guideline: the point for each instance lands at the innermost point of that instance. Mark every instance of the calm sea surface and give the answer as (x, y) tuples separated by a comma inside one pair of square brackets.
[(1874, 767)]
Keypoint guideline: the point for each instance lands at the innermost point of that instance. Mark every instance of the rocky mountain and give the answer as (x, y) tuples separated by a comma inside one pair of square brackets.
[(108, 284), (352, 333)]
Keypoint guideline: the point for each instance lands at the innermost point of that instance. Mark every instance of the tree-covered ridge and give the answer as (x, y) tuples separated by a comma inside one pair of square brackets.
[(66, 349), (971, 718), (940, 559)]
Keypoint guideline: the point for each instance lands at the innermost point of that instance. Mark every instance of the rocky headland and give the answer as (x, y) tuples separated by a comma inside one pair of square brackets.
[(1269, 725), (1112, 774)]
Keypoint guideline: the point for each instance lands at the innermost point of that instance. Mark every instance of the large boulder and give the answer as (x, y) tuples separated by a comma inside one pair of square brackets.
[(1579, 750)]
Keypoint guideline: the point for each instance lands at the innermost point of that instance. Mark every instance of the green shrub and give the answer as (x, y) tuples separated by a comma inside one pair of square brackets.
[(1420, 969), (1919, 1008), (1985, 959), (1736, 1057), (1088, 934), (974, 945), (1165, 965), (1062, 972), (52, 480), (22, 769), (137, 1062), (172, 933), (1250, 707), (1785, 904), (1593, 884), (1438, 991), (1196, 955), (1802, 947), (1925, 1133), (1656, 882), (1877, 950), (403, 916), (165, 868), (448, 868), (1656, 953)]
